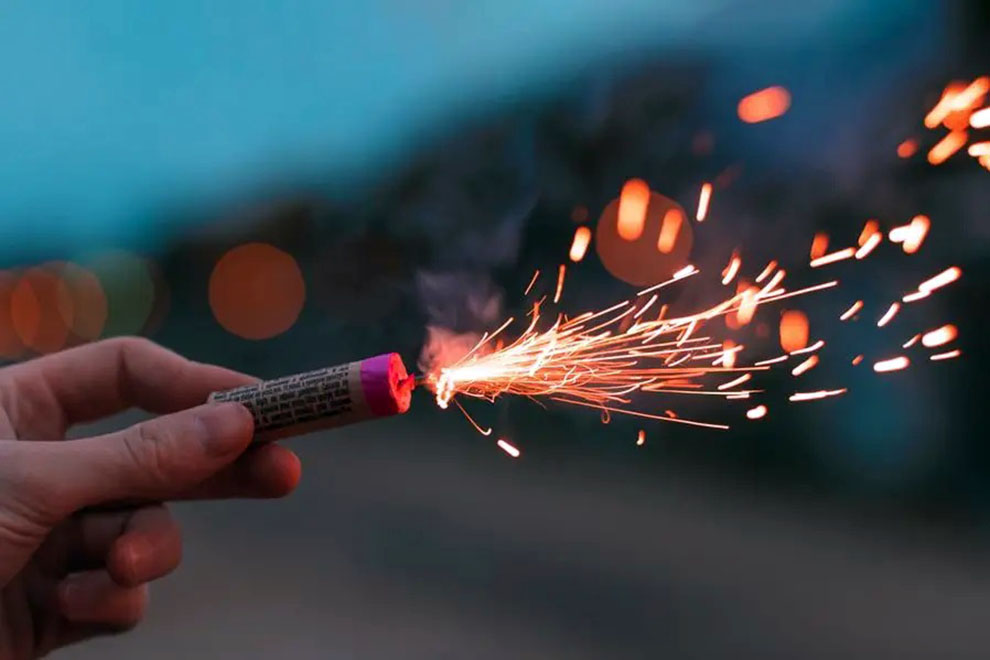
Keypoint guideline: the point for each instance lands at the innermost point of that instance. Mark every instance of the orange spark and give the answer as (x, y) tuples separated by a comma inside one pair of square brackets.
[(944, 105), (766, 271), (889, 314), (729, 350), (869, 228), (579, 246), (793, 330), (939, 336), (670, 413), (779, 358), (917, 295), (978, 149), (704, 199), (747, 305), (683, 272), (948, 355), (985, 162), (869, 245), (849, 313), (509, 449), (670, 226), (807, 365), (633, 202), (893, 364), (819, 394), (560, 283), (809, 349), (735, 381), (946, 147), (764, 105), (907, 148), (531, 282), (911, 342), (819, 244), (758, 412), (641, 438), (947, 276), (971, 95), (845, 253), (914, 233), (980, 118), (857, 360), (731, 268)]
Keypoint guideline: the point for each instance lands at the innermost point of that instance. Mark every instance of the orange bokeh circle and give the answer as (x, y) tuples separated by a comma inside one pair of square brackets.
[(256, 291), (40, 321)]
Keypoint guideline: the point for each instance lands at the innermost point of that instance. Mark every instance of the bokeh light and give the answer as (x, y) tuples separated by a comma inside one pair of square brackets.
[(633, 202), (128, 288), (764, 105), (256, 291), (81, 301), (11, 346), (41, 323), (793, 330)]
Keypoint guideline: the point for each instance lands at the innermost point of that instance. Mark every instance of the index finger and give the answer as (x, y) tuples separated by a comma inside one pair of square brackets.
[(99, 379)]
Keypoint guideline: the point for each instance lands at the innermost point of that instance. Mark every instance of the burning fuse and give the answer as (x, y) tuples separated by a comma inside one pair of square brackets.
[(325, 398)]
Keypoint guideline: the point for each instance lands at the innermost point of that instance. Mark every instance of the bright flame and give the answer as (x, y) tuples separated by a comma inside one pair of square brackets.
[(633, 202), (764, 105), (579, 246)]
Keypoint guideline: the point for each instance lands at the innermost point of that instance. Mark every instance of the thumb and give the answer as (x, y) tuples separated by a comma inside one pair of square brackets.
[(159, 459)]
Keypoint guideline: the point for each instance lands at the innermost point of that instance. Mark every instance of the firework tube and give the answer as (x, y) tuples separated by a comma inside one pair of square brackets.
[(325, 398)]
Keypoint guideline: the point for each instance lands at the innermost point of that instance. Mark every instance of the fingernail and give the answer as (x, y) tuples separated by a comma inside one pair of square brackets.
[(227, 427), (69, 594)]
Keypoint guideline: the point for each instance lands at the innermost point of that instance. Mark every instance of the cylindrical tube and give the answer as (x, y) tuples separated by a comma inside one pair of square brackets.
[(325, 398)]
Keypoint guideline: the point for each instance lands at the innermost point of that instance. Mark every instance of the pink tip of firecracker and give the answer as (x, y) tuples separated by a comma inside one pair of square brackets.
[(387, 387)]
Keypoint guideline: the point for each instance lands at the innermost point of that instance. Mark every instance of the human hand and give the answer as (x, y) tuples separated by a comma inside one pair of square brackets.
[(82, 527)]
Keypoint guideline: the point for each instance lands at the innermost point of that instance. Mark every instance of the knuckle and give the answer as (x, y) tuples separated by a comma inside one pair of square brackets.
[(146, 446)]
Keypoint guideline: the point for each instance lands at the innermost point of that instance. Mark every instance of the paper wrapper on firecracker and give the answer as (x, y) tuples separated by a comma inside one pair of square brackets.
[(325, 398)]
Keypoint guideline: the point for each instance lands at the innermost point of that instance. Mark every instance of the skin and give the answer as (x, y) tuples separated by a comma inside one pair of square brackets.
[(83, 527)]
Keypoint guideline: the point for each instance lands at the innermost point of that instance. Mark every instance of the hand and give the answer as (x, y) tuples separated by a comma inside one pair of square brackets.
[(76, 548)]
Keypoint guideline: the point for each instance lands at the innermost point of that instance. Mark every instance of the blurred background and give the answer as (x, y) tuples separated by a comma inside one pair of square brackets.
[(278, 186)]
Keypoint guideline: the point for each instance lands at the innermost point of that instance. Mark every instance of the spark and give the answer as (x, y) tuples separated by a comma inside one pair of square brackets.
[(704, 199), (687, 271), (912, 341), (980, 118), (509, 449), (579, 246), (633, 202), (807, 365), (869, 245), (944, 106), (818, 394), (856, 360), (917, 295), (731, 268), (892, 364), (978, 149), (971, 95), (766, 271), (946, 147), (758, 412), (809, 349), (670, 226), (779, 358), (889, 314), (845, 253), (915, 236), (560, 283), (735, 381), (939, 336), (849, 313), (641, 438), (907, 148), (947, 276), (870, 227), (818, 245), (948, 355), (531, 282), (764, 104)]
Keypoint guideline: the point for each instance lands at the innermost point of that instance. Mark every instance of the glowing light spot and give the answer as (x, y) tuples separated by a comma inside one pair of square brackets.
[(944, 105), (948, 355), (978, 149), (946, 147), (889, 314), (633, 203), (764, 105), (840, 255), (980, 118), (779, 358), (81, 302), (917, 295), (129, 285), (939, 336), (670, 227), (747, 305), (256, 291), (912, 341), (11, 346), (730, 270), (870, 227), (560, 283), (687, 271), (907, 148), (809, 349), (947, 276), (735, 381), (818, 394), (856, 360), (729, 350), (916, 233), (532, 281), (34, 311), (849, 313), (759, 412), (818, 245), (766, 271), (641, 438), (871, 243), (793, 330), (579, 246), (508, 448), (807, 365), (892, 364), (704, 199)]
